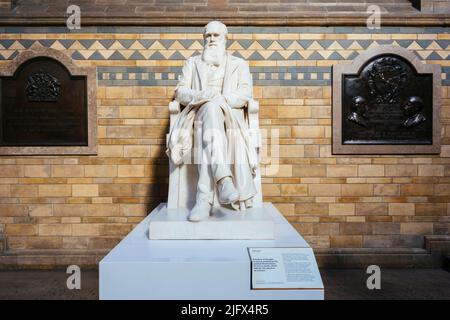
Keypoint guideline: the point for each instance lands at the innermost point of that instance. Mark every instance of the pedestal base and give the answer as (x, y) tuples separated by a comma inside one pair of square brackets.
[(139, 268), (254, 223)]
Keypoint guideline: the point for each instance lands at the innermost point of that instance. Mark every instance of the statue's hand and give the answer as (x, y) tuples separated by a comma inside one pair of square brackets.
[(205, 95)]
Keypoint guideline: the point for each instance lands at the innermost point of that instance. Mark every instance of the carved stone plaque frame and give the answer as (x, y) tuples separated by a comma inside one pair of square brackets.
[(52, 91), (340, 144)]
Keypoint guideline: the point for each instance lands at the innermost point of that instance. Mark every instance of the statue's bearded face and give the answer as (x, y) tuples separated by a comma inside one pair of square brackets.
[(215, 44)]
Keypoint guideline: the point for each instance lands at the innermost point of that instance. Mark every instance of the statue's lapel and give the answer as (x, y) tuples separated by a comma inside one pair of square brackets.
[(202, 73), (230, 68)]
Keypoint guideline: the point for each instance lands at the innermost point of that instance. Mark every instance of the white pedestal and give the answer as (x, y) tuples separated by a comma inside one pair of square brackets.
[(139, 268), (172, 224)]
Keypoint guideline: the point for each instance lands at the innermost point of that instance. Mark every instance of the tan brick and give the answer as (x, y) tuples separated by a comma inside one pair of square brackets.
[(56, 190), (357, 190), (285, 208), (271, 189), (86, 229), (5, 191), (147, 92), (40, 210), (75, 242), (131, 171), (326, 229), (277, 170), (342, 209), (342, 171), (24, 191), (310, 171), (355, 228), (115, 190), (17, 243), (42, 242), (67, 171), (292, 151), (346, 241), (137, 151), (37, 171), (103, 209), (11, 171), (21, 229), (295, 190), (311, 209), (431, 170), (371, 170), (442, 189), (303, 228), (135, 210), (85, 190), (70, 210), (401, 209), (430, 209), (318, 242), (110, 151), (386, 190), (308, 132), (115, 229), (100, 171), (417, 189), (103, 242), (13, 210), (423, 228), (371, 209), (55, 229), (324, 190), (312, 151), (294, 112), (137, 112), (119, 92), (401, 170)]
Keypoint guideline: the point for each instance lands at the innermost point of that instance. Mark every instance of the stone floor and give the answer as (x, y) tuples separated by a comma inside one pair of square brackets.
[(339, 284)]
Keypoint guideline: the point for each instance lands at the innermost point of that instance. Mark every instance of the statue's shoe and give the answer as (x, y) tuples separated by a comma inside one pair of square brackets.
[(200, 211), (227, 191)]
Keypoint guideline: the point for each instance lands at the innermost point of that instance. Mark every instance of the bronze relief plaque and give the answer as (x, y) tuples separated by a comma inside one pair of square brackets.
[(42, 104), (387, 102)]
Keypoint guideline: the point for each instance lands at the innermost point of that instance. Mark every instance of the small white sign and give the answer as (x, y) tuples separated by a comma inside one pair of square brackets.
[(284, 268)]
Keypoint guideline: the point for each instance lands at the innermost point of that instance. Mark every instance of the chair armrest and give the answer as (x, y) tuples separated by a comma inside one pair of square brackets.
[(174, 107), (174, 111), (253, 123), (253, 106)]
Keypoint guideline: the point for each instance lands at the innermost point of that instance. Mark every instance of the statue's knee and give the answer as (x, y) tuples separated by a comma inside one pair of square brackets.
[(211, 109)]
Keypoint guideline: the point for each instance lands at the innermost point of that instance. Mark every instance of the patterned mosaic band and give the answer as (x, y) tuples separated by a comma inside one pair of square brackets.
[(145, 76), (277, 56)]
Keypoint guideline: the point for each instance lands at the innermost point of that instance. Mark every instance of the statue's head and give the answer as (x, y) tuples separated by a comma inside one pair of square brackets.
[(215, 42)]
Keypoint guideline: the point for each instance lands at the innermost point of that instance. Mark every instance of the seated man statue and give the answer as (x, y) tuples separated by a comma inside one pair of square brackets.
[(214, 89)]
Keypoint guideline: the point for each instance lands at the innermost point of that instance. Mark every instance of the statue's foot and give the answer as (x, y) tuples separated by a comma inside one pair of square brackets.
[(200, 211), (227, 191)]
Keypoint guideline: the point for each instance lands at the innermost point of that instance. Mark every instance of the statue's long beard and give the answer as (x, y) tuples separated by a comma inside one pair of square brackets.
[(214, 55)]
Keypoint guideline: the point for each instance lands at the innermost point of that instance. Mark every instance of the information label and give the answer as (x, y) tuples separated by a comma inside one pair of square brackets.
[(284, 268)]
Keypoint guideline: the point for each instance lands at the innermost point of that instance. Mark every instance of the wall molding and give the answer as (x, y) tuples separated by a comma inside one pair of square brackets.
[(353, 19)]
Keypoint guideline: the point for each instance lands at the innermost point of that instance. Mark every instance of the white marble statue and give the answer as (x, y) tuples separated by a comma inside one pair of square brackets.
[(212, 87)]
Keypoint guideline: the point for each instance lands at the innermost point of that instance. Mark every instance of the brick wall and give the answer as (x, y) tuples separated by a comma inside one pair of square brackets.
[(88, 203), (5, 4), (436, 6)]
